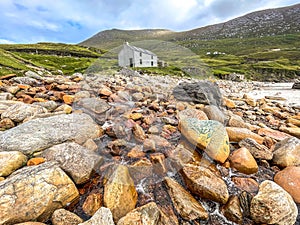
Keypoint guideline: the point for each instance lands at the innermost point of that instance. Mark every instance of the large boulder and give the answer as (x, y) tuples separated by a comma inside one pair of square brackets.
[(273, 205), (203, 182), (208, 135), (34, 193), (76, 160), (120, 195), (289, 180), (185, 204), (203, 92), (39, 134)]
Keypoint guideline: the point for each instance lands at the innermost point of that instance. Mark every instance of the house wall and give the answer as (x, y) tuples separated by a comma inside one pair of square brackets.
[(127, 52), (124, 55), (146, 60)]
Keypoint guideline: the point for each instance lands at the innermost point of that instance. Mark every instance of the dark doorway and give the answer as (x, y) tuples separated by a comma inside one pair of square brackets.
[(130, 62)]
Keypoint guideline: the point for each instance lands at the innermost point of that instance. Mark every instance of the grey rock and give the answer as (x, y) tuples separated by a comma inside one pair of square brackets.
[(102, 217), (21, 111), (296, 85), (203, 92), (74, 159), (39, 134), (95, 107), (214, 113), (34, 193), (6, 96), (26, 80), (49, 105), (33, 75)]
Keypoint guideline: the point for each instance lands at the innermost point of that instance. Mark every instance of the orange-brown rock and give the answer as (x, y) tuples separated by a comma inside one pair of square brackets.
[(245, 184), (145, 215), (35, 161), (294, 131), (105, 91), (275, 134), (135, 116), (30, 223), (63, 217), (120, 195), (185, 204), (92, 203), (287, 152), (68, 99), (237, 134), (139, 133), (289, 180), (242, 160), (203, 182), (232, 210), (136, 152), (229, 103), (294, 120), (208, 135), (34, 193)]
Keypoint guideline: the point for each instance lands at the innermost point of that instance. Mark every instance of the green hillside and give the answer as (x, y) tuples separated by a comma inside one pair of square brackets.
[(17, 58), (262, 45)]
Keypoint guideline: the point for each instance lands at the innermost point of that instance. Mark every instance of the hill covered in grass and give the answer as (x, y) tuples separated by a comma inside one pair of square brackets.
[(54, 57), (263, 45)]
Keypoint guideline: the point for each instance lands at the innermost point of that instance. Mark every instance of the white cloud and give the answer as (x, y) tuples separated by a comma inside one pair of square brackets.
[(5, 41), (75, 20)]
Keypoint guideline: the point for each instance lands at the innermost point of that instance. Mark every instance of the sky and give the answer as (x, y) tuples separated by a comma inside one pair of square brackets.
[(72, 21)]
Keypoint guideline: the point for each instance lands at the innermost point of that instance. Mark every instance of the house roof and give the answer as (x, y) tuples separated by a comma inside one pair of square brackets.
[(140, 50)]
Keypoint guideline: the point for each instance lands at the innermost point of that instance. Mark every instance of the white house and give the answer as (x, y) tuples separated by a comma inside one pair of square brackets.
[(131, 56)]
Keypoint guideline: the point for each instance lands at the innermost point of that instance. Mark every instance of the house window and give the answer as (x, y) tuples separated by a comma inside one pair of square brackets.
[(151, 56), (140, 54), (141, 61), (151, 63)]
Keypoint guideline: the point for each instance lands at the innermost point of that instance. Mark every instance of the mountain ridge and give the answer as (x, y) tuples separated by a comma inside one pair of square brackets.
[(276, 21)]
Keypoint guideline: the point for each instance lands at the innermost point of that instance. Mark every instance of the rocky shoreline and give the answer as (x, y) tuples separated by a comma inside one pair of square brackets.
[(141, 149)]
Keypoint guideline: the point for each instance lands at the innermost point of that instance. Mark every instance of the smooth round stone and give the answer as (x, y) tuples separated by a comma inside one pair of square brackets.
[(208, 135), (242, 160), (289, 180)]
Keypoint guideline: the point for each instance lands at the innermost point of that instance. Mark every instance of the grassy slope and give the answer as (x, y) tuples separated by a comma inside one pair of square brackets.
[(251, 56), (50, 56)]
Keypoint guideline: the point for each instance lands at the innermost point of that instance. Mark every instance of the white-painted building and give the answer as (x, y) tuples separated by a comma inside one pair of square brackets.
[(131, 56)]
